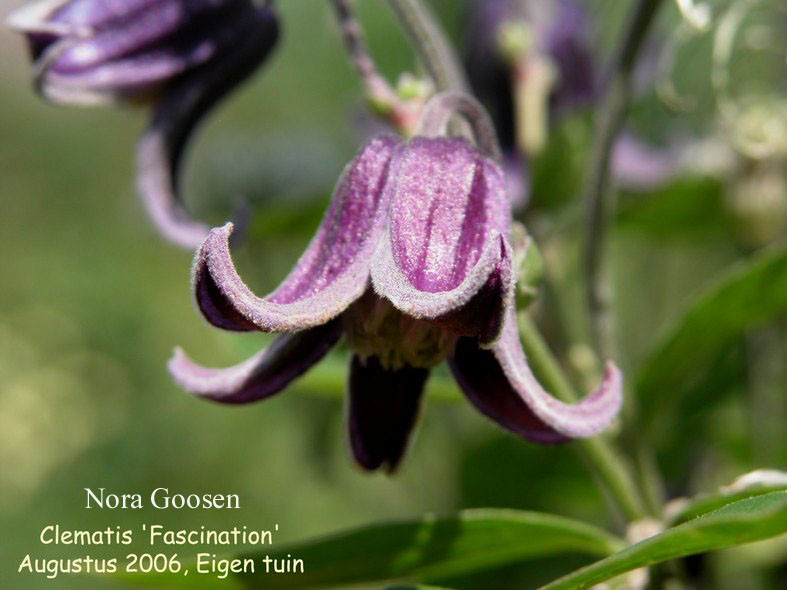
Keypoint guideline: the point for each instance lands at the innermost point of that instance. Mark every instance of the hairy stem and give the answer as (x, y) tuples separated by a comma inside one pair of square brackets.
[(598, 452), (431, 44), (354, 42), (383, 98)]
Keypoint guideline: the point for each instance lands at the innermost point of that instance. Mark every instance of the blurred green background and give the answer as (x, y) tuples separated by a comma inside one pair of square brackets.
[(92, 302)]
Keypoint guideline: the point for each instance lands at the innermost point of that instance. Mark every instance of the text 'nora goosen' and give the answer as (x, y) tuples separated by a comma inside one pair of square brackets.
[(161, 499)]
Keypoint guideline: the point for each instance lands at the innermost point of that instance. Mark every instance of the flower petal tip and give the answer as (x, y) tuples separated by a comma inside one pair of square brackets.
[(260, 376)]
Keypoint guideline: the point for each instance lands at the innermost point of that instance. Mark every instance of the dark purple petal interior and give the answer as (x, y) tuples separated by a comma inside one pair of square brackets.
[(384, 405)]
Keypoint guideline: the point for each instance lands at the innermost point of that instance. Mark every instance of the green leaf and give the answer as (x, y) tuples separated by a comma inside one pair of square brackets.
[(418, 550), (751, 294), (748, 485), (740, 522), (711, 502)]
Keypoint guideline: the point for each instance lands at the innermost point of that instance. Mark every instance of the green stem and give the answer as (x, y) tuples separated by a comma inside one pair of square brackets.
[(598, 451), (431, 44)]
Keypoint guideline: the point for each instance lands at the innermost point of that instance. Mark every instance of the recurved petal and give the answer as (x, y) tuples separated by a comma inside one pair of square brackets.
[(384, 406), (501, 385), (178, 112), (264, 374), (331, 274), (445, 240)]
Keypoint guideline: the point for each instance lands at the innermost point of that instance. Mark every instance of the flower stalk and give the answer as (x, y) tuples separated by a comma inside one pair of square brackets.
[(383, 98)]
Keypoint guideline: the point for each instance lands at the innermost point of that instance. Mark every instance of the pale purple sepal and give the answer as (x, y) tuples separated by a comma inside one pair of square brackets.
[(383, 408), (156, 187), (500, 383), (446, 238), (331, 274), (264, 374)]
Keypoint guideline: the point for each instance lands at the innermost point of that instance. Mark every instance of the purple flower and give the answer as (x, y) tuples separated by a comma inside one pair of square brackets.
[(413, 265), (182, 55)]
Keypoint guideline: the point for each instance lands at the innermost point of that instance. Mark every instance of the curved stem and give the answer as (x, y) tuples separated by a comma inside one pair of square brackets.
[(439, 110), (598, 452), (430, 41)]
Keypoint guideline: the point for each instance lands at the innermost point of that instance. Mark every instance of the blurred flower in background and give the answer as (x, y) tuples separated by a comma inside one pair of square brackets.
[(181, 56), (742, 85), (532, 62)]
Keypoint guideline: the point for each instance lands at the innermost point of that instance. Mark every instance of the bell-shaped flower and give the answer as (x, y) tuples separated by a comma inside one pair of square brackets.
[(413, 266), (182, 56)]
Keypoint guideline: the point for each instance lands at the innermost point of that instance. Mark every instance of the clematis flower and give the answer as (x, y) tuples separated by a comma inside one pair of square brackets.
[(182, 56), (413, 266)]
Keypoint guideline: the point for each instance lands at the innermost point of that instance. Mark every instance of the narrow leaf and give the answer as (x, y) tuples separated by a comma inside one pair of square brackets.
[(748, 485), (740, 522)]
